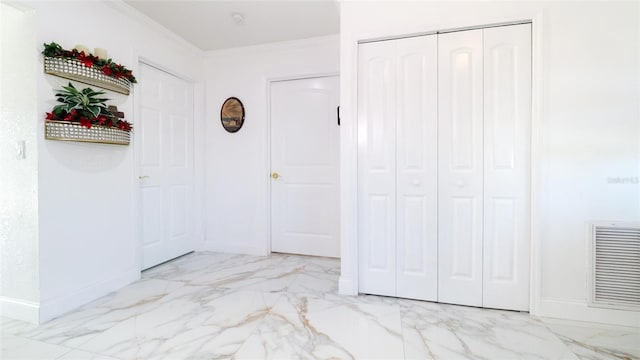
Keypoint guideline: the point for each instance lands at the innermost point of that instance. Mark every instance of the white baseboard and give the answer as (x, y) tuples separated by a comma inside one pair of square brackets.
[(346, 286), (52, 308), (572, 309), (18, 309), (235, 249)]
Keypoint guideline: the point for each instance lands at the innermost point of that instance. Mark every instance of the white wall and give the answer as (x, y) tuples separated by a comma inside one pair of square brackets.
[(88, 235), (237, 172), (18, 186), (587, 127)]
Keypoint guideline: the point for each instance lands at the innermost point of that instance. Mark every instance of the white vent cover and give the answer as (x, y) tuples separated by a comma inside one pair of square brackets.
[(614, 279)]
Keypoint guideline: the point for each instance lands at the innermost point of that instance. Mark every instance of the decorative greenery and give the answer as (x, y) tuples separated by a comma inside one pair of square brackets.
[(108, 67), (85, 107)]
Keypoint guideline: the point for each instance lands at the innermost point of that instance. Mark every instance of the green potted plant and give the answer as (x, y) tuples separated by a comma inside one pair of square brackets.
[(85, 107)]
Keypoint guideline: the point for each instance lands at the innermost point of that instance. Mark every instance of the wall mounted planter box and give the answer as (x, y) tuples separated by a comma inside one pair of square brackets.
[(73, 69), (68, 131)]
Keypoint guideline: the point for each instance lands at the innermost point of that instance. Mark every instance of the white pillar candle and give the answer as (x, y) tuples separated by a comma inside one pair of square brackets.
[(100, 53), (82, 48)]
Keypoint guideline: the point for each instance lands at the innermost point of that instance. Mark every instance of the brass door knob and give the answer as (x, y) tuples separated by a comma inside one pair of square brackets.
[(275, 176)]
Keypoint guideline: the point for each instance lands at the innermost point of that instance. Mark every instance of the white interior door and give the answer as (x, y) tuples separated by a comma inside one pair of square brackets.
[(417, 167), (507, 119), (165, 151), (460, 154), (377, 168), (304, 164)]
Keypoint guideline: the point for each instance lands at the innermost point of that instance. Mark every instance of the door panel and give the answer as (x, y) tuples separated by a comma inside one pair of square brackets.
[(165, 145), (412, 230), (179, 195), (152, 216), (304, 152), (463, 239), (464, 79), (501, 261), (150, 137), (460, 148), (377, 168), (507, 117), (178, 140), (417, 166), (378, 258)]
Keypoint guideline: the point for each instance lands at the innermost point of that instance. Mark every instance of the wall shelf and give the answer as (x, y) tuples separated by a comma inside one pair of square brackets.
[(68, 131), (74, 69)]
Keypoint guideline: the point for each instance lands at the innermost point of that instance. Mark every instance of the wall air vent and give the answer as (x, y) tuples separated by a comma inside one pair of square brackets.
[(614, 279)]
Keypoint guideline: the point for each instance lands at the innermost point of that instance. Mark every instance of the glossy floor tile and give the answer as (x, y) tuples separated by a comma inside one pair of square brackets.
[(597, 341), (222, 306)]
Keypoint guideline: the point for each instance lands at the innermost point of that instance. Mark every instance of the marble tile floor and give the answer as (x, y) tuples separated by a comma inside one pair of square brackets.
[(224, 306)]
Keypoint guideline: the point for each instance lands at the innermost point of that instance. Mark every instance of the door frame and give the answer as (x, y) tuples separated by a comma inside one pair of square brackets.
[(348, 283), (197, 159), (269, 82)]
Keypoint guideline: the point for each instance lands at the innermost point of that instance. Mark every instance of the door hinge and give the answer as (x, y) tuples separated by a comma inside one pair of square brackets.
[(338, 111)]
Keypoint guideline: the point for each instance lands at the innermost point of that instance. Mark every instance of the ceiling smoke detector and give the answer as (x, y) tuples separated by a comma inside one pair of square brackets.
[(238, 18)]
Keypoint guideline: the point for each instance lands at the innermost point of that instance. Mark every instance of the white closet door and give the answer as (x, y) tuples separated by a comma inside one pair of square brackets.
[(460, 168), (507, 119), (417, 166), (377, 168)]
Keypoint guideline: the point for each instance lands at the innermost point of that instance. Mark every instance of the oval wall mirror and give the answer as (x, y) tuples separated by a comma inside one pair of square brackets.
[(232, 114)]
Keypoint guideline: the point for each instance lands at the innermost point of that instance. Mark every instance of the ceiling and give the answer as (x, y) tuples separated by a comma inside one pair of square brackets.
[(211, 25)]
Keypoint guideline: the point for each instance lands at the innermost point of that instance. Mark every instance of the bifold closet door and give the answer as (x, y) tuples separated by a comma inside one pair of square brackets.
[(444, 167), (484, 164), (460, 167), (507, 123), (377, 168), (416, 168), (397, 157)]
